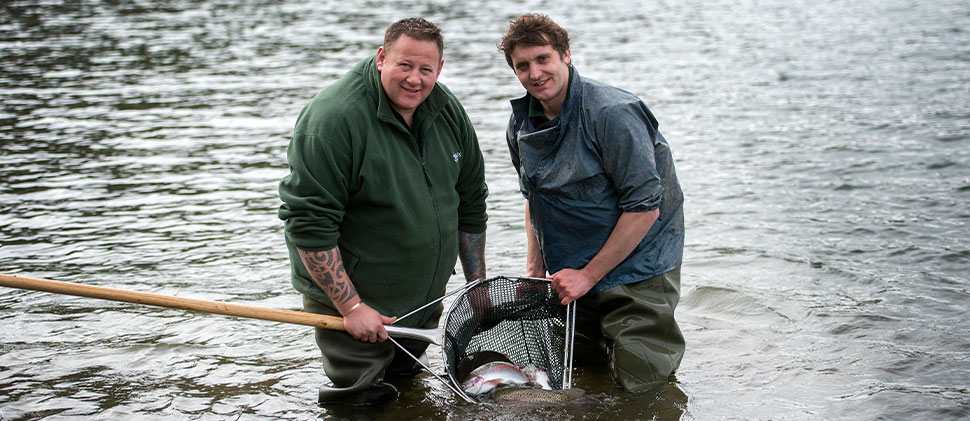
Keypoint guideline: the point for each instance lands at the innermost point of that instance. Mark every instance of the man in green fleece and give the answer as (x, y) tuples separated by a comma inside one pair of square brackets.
[(386, 191)]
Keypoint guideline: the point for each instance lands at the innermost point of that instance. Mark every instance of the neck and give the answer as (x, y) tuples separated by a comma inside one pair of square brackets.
[(407, 117), (551, 109)]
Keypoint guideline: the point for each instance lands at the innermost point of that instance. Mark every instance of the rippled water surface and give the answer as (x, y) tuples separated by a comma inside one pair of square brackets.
[(822, 147)]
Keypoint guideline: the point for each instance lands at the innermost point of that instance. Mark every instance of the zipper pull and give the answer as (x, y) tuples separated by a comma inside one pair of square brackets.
[(424, 170)]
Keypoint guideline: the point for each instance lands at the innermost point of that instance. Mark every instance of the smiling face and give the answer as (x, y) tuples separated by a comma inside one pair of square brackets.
[(543, 73), (409, 69)]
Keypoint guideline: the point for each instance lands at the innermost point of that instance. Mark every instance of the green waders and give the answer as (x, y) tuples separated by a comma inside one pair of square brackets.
[(634, 324), (353, 366)]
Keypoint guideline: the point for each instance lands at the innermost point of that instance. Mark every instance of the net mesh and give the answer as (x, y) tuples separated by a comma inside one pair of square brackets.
[(521, 318)]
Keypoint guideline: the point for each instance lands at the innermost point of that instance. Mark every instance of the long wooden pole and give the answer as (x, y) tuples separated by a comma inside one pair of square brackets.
[(90, 291), (434, 336)]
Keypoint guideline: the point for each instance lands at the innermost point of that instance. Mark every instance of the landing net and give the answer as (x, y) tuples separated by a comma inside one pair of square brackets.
[(522, 318)]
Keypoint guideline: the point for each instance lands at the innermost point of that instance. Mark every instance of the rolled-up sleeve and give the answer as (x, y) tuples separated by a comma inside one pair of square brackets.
[(626, 136)]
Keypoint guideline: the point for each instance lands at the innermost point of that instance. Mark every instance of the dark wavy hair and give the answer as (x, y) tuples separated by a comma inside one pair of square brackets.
[(533, 30), (416, 28)]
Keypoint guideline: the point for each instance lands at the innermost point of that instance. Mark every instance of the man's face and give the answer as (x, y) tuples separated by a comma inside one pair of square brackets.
[(542, 72), (409, 69)]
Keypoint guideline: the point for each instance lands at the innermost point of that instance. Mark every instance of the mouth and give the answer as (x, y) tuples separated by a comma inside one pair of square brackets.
[(411, 91)]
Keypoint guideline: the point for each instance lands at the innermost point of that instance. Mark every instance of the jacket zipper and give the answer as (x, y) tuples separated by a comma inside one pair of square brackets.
[(437, 218)]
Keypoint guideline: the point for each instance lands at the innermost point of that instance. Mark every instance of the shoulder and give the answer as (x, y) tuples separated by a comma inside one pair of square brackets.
[(602, 97), (340, 105), (602, 102)]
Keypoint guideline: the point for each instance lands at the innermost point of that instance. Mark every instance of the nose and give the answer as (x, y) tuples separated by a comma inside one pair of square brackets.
[(413, 77), (535, 72)]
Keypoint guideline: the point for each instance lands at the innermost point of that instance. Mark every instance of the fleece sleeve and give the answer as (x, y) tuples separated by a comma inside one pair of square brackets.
[(316, 191)]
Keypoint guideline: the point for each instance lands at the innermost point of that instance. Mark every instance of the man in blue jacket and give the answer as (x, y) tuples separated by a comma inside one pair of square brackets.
[(604, 211)]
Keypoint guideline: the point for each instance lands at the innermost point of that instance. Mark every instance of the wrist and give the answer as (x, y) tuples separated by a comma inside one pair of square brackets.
[(591, 275), (351, 309)]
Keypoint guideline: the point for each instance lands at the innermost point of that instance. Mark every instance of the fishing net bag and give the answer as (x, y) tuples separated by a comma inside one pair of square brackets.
[(522, 318)]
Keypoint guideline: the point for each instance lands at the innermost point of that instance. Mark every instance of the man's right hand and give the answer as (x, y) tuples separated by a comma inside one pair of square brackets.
[(367, 325)]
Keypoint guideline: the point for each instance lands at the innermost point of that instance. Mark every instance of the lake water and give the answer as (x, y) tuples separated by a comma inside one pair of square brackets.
[(823, 148)]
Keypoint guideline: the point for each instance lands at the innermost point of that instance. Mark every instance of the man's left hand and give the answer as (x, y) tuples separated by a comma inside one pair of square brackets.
[(571, 284)]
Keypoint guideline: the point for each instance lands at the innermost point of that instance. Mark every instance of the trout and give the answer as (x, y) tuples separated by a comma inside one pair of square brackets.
[(487, 377), (534, 395)]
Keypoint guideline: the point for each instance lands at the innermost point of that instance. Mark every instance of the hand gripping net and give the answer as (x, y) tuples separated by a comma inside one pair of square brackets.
[(522, 318)]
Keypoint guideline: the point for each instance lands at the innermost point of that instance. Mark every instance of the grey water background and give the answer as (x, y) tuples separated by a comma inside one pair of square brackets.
[(822, 147)]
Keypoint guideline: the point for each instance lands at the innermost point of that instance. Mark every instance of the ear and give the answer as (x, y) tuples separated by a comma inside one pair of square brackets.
[(566, 59), (440, 65), (380, 58)]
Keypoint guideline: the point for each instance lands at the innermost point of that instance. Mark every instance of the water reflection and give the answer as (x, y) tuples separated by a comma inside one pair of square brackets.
[(822, 149), (667, 402)]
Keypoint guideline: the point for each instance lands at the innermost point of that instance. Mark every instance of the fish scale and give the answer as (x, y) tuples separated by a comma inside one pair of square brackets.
[(534, 395)]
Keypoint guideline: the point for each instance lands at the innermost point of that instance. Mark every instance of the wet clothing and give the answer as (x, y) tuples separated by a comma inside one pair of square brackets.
[(391, 198), (634, 324), (602, 156)]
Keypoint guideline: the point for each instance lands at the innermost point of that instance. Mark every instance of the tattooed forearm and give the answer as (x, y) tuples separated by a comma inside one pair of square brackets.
[(471, 251), (327, 270)]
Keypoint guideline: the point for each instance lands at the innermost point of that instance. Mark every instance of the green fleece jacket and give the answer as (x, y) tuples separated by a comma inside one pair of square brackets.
[(392, 199)]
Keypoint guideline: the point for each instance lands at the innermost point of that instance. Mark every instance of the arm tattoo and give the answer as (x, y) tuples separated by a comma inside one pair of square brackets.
[(327, 270), (471, 252)]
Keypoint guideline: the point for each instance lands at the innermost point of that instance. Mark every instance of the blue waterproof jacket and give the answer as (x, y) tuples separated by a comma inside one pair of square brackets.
[(601, 157)]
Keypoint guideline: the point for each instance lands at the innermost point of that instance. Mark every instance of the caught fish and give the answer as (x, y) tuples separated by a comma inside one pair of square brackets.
[(532, 395), (477, 359), (487, 377)]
